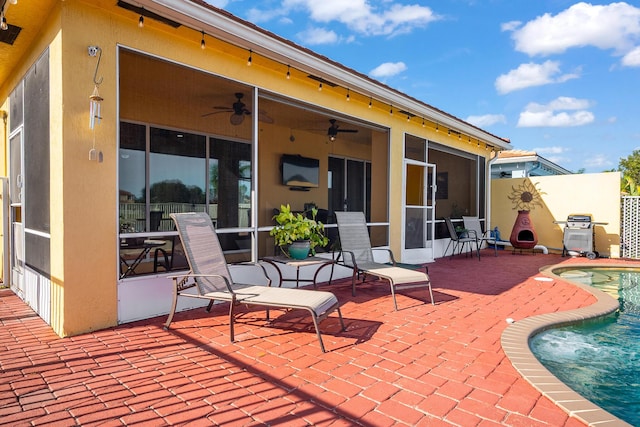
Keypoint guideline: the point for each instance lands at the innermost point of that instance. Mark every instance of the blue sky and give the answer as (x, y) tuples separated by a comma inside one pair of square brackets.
[(558, 77)]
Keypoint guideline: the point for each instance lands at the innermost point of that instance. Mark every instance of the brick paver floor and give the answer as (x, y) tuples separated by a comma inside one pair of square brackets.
[(422, 365)]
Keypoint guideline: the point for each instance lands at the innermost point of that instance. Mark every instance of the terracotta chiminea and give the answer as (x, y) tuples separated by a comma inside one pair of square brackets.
[(523, 235)]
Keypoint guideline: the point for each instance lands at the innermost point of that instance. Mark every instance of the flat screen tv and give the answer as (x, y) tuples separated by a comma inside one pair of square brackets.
[(300, 172)]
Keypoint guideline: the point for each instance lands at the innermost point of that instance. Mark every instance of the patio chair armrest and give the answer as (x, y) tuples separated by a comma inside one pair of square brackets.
[(181, 280), (488, 238), (254, 264), (342, 254), (389, 251)]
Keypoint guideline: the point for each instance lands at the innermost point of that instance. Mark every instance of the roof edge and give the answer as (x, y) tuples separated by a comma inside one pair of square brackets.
[(202, 16)]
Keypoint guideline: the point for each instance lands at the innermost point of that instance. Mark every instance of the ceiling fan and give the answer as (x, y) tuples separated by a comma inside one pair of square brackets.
[(333, 130), (238, 110)]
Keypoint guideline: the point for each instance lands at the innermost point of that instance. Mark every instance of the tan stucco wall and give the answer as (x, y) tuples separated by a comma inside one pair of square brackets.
[(596, 194), (83, 198)]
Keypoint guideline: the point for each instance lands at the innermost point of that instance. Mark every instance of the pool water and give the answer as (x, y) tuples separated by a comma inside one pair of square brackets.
[(600, 359)]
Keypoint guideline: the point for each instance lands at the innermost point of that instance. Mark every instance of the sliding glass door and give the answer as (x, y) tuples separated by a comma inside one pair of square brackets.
[(349, 185)]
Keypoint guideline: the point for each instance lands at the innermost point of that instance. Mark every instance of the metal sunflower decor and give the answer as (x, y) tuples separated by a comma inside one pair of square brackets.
[(526, 196)]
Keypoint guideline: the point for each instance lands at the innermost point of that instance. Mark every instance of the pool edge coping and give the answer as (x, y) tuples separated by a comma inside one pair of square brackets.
[(515, 344)]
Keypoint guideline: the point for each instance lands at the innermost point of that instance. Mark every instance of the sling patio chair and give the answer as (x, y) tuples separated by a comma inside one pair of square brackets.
[(474, 228), (356, 253), (459, 240), (210, 276)]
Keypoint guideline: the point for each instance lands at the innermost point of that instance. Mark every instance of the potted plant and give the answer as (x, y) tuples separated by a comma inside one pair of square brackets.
[(296, 229)]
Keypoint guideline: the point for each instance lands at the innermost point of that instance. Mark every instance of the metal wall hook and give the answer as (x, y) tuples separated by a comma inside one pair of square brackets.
[(93, 51)]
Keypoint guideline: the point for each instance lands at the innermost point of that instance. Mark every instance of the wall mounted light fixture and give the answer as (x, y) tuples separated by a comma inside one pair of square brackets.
[(202, 42), (141, 19), (95, 99), (3, 19), (250, 59)]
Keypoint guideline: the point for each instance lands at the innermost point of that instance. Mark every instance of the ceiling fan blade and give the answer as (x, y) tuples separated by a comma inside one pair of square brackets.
[(347, 130), (215, 112), (264, 117)]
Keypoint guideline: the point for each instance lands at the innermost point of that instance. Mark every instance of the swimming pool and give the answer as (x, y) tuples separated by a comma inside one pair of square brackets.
[(600, 358)]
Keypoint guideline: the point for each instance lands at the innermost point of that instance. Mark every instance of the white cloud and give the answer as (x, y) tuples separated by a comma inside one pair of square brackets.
[(550, 150), (531, 74), (632, 58), (553, 114), (510, 26), (361, 17), (551, 119), (598, 161), (315, 36), (258, 15), (388, 69), (558, 160), (566, 103), (615, 26), (486, 120)]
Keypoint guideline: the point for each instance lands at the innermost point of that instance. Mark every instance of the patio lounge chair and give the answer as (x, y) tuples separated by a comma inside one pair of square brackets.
[(210, 275), (473, 227), (356, 253), (460, 240)]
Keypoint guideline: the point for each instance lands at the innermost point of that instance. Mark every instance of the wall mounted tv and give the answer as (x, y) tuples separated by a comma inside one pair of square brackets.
[(299, 173)]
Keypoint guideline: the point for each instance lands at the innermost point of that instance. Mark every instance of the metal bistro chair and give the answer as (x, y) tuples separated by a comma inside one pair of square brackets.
[(460, 240), (473, 226)]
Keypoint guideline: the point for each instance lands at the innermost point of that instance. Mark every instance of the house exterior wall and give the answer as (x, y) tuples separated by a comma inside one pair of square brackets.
[(84, 193), (84, 241), (597, 194)]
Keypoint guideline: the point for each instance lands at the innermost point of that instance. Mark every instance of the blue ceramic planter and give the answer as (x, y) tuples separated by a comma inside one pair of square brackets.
[(299, 250)]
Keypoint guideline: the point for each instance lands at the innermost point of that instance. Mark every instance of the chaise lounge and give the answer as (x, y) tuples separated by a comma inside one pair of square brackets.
[(356, 253), (211, 278)]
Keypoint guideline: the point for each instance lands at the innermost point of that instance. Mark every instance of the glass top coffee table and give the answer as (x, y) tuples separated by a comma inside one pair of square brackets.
[(278, 261)]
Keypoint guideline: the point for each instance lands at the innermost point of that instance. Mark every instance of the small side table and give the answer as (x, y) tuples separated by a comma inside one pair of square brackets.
[(147, 245), (277, 261)]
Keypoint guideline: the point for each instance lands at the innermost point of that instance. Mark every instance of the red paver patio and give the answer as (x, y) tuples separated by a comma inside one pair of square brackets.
[(422, 365)]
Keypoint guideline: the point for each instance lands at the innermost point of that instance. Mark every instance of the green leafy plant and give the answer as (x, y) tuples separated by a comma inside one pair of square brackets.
[(293, 227)]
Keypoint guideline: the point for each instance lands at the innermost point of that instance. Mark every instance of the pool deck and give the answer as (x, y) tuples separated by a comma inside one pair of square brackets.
[(422, 365)]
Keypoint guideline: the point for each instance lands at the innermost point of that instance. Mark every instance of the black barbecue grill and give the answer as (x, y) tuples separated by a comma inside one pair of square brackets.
[(579, 236)]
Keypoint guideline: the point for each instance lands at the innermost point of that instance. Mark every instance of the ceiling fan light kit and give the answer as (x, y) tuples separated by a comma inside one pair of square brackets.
[(333, 130)]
